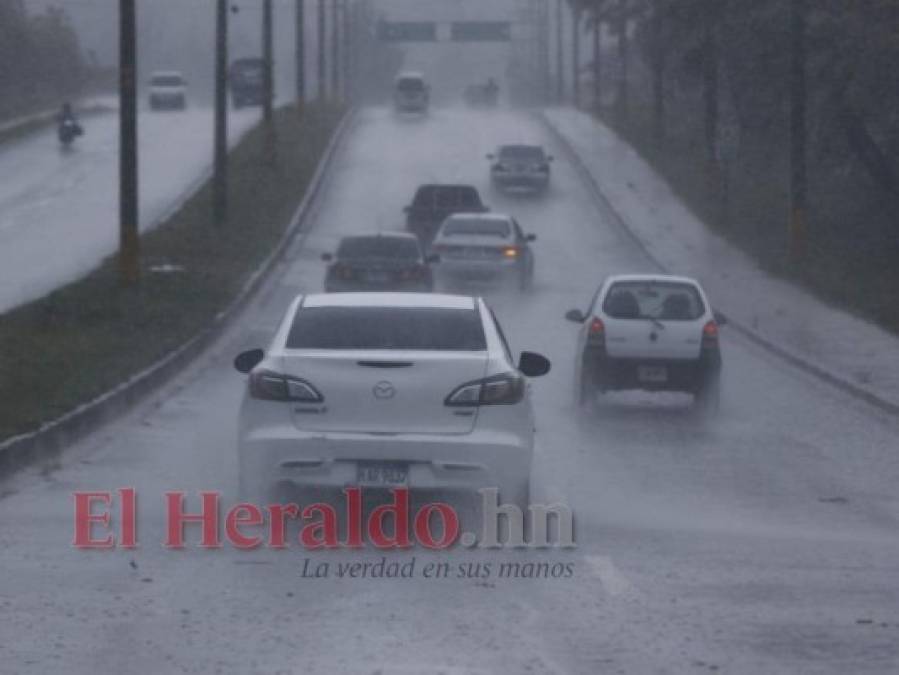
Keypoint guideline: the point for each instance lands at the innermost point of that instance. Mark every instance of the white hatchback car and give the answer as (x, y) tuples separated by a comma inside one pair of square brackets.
[(651, 332), (388, 389), (168, 89)]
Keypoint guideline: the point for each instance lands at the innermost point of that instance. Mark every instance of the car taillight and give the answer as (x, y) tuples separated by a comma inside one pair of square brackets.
[(505, 389), (511, 252), (596, 333), (710, 334), (270, 386)]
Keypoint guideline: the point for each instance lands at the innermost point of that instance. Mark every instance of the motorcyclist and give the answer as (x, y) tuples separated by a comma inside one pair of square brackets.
[(69, 128), (66, 114)]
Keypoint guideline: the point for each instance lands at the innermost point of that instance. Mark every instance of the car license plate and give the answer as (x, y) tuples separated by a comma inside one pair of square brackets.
[(378, 277), (652, 374), (375, 474)]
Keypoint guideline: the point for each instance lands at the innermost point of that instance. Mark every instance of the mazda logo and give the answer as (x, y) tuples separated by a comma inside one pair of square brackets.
[(384, 390)]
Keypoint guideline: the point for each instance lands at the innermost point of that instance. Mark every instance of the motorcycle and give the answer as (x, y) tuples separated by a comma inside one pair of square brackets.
[(68, 131)]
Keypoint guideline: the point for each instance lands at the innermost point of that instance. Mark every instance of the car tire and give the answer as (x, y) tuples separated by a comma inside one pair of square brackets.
[(585, 392), (708, 399)]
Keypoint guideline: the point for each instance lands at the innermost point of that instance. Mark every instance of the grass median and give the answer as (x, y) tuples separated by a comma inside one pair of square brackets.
[(84, 339)]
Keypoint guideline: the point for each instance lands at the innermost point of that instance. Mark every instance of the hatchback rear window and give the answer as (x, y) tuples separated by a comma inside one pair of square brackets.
[(167, 81), (477, 226), (393, 248), (410, 84), (666, 301), (415, 328)]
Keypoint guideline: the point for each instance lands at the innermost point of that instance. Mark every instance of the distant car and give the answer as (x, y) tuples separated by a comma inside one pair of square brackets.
[(247, 81), (383, 390), (168, 89), (649, 332), (389, 261), (484, 246), (432, 205), (520, 166), (411, 93)]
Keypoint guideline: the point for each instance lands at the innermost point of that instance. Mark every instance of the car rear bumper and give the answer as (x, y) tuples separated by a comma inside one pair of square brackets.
[(534, 181), (464, 462), (341, 286), (478, 269), (167, 100), (688, 375)]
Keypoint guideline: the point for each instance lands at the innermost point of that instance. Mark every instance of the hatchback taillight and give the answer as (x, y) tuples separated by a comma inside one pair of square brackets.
[(270, 386), (710, 334), (596, 333), (505, 389)]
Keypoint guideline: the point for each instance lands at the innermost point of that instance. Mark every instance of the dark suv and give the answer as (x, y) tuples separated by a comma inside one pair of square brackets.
[(380, 262), (433, 204)]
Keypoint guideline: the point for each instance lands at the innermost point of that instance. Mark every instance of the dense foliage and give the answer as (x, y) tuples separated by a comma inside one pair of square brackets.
[(709, 99), (40, 58)]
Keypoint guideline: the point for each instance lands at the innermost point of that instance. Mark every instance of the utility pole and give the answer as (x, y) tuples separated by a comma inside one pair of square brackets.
[(220, 163), (268, 86), (320, 40), (335, 49), (129, 237), (560, 56), (348, 38), (576, 55), (301, 51), (623, 93), (798, 131), (597, 62), (658, 73)]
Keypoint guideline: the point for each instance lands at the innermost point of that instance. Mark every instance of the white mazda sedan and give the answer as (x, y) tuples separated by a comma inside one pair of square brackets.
[(382, 390)]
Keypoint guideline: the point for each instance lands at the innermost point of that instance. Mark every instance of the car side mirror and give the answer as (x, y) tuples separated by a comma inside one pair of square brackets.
[(327, 257), (246, 361), (491, 156), (531, 237), (432, 259), (533, 364), (575, 316), (720, 319)]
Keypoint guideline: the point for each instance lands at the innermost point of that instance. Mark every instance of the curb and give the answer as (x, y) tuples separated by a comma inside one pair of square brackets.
[(757, 338), (53, 437)]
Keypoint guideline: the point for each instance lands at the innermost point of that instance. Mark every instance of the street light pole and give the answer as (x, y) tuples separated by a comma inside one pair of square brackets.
[(798, 167), (335, 49), (129, 237), (560, 56), (220, 163), (267, 57), (301, 51), (320, 40)]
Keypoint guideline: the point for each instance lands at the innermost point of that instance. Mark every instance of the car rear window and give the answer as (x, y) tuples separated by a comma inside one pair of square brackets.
[(448, 197), (522, 153), (666, 301), (410, 84), (167, 80), (415, 328), (394, 248), (477, 226)]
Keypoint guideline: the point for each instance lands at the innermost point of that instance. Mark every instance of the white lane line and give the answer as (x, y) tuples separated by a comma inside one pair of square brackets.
[(613, 580)]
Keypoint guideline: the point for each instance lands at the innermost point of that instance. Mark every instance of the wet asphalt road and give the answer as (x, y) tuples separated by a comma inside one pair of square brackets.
[(762, 541), (50, 195)]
